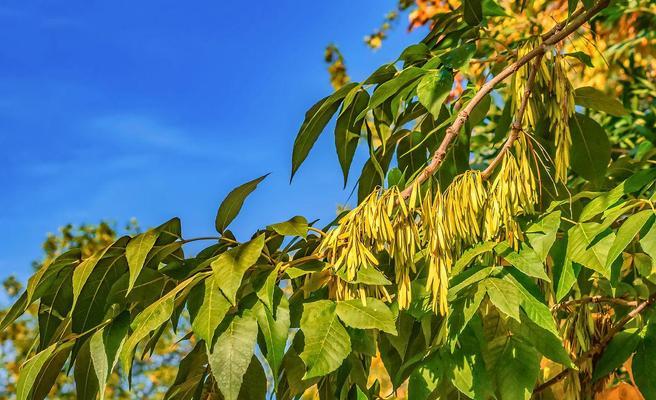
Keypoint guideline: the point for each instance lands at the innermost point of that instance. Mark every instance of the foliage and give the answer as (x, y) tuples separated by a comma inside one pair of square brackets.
[(17, 339), (503, 245)]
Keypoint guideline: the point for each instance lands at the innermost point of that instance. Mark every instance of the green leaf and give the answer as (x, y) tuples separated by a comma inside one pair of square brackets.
[(527, 261), (90, 308), (626, 233), (590, 148), (411, 155), (492, 9), (585, 59), (564, 271), (531, 301), (470, 254), (580, 247), (648, 241), (231, 205), (83, 270), (544, 341), (644, 364), (517, 369), (229, 268), (275, 332), (618, 350), (266, 290), (347, 131), (136, 253), (316, 119), (54, 307), (374, 315), (392, 87), (151, 318), (296, 226), (590, 97), (255, 382), (86, 384), (327, 343), (30, 370), (433, 89), (383, 74), (542, 234), (458, 57), (503, 295), (207, 308), (472, 12), (232, 353), (105, 346)]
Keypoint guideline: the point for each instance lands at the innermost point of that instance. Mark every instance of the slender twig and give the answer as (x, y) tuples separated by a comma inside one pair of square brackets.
[(595, 300), (185, 241), (463, 115), (517, 124)]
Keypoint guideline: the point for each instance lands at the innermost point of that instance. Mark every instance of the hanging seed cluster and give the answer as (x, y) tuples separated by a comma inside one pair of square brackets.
[(435, 229), (552, 96)]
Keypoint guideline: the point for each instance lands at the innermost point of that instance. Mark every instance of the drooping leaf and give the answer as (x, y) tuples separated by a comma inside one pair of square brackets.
[(326, 341), (517, 369), (644, 363), (83, 270), (232, 353), (433, 89), (590, 148), (542, 234), (411, 155), (626, 233), (616, 352), (372, 315), (275, 332), (526, 260), (105, 346), (151, 318), (255, 382), (30, 370), (296, 226), (590, 97), (472, 11), (392, 87), (470, 254), (207, 307), (316, 119), (136, 253), (648, 241), (229, 268), (503, 295), (459, 56), (347, 131), (89, 310), (231, 205), (585, 59), (86, 384)]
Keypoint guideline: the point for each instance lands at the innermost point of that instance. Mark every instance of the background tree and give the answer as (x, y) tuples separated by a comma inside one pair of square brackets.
[(503, 244), (18, 339)]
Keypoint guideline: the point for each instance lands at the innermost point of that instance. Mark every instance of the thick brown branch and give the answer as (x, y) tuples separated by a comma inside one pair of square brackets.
[(517, 124), (463, 115)]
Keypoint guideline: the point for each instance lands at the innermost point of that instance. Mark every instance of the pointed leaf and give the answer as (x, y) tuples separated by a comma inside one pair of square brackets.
[(590, 97), (231, 205), (105, 346), (229, 267), (590, 147), (275, 332), (207, 308), (232, 353), (327, 343), (296, 226), (136, 253), (374, 315), (315, 121), (433, 89)]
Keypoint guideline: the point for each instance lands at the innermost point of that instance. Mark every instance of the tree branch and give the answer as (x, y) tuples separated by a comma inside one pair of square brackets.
[(463, 115), (517, 124), (596, 300)]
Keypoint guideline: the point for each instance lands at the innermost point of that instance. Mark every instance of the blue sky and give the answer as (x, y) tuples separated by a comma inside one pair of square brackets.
[(155, 109)]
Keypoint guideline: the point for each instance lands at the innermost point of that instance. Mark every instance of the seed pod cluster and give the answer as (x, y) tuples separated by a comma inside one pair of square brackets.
[(552, 97), (444, 224), (560, 107)]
